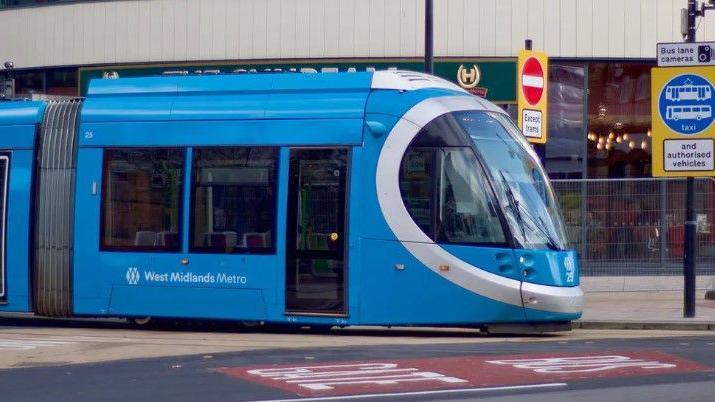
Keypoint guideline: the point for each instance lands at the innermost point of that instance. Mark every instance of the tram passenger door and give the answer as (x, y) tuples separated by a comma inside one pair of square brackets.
[(315, 251)]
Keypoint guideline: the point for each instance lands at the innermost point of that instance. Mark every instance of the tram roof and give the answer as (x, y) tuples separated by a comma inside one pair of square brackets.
[(14, 113), (342, 95)]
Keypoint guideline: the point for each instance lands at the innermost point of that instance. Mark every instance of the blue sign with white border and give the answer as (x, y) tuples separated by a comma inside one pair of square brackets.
[(687, 103)]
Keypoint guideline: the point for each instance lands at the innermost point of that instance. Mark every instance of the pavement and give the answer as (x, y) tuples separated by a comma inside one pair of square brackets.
[(656, 310)]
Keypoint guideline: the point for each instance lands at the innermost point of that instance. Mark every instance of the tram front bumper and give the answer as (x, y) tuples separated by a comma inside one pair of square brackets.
[(553, 299)]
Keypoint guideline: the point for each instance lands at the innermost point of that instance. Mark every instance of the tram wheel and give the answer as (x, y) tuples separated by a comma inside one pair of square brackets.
[(249, 324), (320, 329), (142, 322)]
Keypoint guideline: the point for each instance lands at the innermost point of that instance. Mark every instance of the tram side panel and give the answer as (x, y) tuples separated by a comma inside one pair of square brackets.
[(17, 231), (91, 275), (18, 128), (143, 279), (396, 287), (16, 278), (176, 282)]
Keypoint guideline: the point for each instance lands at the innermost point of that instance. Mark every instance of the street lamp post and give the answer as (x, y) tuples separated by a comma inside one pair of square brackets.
[(690, 223), (429, 64)]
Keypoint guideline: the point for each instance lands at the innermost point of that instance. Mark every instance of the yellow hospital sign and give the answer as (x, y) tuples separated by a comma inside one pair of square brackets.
[(682, 119), (532, 93)]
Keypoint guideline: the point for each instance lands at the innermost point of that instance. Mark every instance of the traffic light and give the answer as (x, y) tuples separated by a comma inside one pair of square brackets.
[(7, 89)]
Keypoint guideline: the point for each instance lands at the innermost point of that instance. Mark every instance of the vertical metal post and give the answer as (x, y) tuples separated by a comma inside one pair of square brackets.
[(663, 223), (689, 260), (429, 44), (584, 168)]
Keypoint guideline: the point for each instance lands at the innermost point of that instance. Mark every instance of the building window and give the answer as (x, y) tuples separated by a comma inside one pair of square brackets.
[(62, 81), (619, 137), (142, 198), (234, 207), (28, 83), (56, 81), (564, 152)]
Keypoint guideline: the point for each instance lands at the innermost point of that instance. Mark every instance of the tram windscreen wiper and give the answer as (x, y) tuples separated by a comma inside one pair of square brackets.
[(551, 243), (513, 203), (521, 212)]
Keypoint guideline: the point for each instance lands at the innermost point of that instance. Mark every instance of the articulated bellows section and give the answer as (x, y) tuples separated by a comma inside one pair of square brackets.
[(54, 200)]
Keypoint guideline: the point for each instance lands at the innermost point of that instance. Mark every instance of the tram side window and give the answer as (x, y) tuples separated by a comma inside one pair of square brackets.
[(234, 207), (444, 189), (417, 178), (142, 198)]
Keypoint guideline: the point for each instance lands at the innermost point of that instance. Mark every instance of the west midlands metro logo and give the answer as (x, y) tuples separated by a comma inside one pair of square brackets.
[(686, 104), (132, 275)]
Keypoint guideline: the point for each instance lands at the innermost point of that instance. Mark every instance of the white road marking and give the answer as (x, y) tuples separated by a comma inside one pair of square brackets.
[(581, 364), (328, 377), (29, 343), (422, 393)]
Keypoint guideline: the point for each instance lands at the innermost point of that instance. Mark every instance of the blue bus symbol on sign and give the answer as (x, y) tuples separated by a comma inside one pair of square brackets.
[(687, 103)]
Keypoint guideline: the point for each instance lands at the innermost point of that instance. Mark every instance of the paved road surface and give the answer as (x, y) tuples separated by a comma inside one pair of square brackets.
[(40, 364)]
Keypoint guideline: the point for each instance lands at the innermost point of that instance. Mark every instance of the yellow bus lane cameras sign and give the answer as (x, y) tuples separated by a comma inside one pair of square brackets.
[(532, 91), (683, 111)]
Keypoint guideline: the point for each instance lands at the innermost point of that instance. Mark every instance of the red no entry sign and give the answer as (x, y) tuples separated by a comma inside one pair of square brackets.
[(532, 80)]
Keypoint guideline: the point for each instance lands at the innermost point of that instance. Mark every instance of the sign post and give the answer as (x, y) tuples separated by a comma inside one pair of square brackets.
[(532, 90), (683, 110), (682, 104)]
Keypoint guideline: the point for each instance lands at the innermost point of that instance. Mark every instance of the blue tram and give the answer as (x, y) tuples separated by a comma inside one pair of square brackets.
[(380, 198)]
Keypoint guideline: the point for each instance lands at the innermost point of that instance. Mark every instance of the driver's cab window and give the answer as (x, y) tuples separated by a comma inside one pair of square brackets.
[(444, 188)]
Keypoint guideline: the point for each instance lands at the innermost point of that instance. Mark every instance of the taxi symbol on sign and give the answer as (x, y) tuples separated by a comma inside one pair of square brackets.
[(686, 104)]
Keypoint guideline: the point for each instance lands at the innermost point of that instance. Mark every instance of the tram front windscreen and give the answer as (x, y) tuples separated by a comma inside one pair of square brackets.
[(522, 187)]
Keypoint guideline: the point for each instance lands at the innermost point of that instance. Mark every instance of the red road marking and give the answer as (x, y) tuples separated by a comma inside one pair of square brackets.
[(361, 377), (532, 80)]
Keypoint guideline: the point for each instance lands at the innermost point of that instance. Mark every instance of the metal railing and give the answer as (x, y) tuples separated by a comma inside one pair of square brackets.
[(626, 227)]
